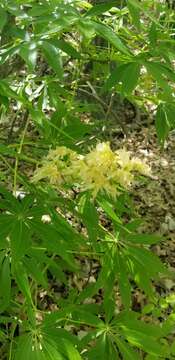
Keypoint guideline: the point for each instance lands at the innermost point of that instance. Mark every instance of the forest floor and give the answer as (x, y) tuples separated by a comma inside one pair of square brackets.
[(154, 201)]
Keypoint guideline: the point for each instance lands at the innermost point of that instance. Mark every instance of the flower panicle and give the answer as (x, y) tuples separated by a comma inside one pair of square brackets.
[(101, 169)]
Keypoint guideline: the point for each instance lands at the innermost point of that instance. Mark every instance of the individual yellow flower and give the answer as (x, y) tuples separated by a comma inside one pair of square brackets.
[(140, 166), (50, 171), (56, 166), (133, 164), (61, 152), (99, 170)]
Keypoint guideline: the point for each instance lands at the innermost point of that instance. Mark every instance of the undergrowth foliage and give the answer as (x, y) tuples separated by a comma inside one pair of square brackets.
[(71, 255)]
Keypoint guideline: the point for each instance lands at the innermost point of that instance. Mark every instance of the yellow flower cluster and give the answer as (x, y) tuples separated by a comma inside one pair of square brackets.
[(100, 170)]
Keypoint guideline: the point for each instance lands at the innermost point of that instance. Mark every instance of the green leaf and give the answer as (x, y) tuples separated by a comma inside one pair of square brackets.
[(143, 280), (127, 352), (70, 351), (152, 357), (6, 223), (34, 269), (153, 34), (35, 348), (28, 52), (159, 73), (50, 351), (148, 260), (107, 33), (20, 239), (100, 8), (107, 207), (5, 284), (5, 90), (39, 9), (4, 56), (22, 280), (56, 270), (143, 238), (52, 55), (129, 322), (130, 77), (104, 349), (162, 124), (3, 18), (46, 232), (10, 201), (87, 318), (127, 74), (67, 48), (90, 219), (28, 349), (140, 334), (145, 342), (170, 113), (135, 13), (77, 129), (124, 284), (86, 28)]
